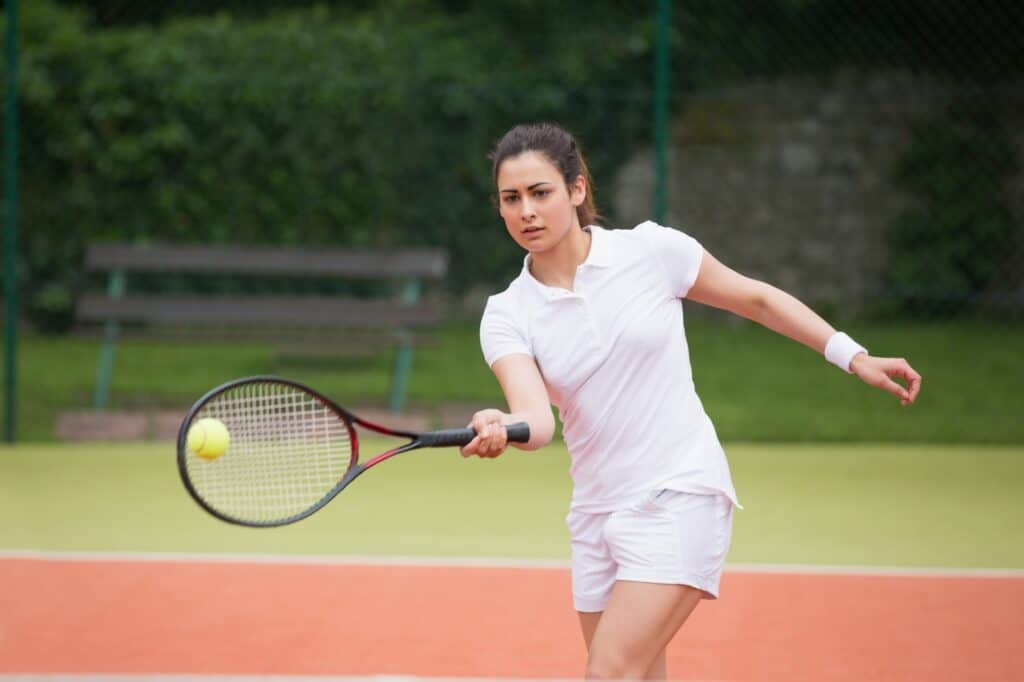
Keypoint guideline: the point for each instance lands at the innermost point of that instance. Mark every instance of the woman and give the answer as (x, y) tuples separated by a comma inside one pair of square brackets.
[(593, 325)]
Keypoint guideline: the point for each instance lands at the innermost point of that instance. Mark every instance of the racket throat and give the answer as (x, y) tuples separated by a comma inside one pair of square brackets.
[(354, 472), (385, 455)]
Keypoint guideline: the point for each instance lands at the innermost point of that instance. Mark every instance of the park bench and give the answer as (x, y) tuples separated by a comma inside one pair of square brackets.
[(394, 314)]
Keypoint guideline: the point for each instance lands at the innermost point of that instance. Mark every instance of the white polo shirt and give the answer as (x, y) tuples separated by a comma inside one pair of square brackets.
[(614, 358)]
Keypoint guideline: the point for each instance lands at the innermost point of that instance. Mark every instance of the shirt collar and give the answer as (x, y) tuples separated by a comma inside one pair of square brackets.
[(599, 255)]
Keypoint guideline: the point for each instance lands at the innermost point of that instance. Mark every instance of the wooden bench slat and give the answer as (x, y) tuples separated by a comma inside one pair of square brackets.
[(379, 264), (292, 341), (322, 311)]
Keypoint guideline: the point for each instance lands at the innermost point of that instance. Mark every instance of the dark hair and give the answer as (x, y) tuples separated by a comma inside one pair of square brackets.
[(561, 149)]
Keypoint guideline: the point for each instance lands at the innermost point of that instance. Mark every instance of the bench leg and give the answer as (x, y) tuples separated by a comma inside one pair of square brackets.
[(105, 367), (115, 289), (400, 377), (403, 353)]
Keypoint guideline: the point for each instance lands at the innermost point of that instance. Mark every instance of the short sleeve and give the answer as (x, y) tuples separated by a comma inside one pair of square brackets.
[(679, 253), (500, 332)]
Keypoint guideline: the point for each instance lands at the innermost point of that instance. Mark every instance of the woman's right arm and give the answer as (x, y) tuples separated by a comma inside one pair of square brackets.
[(527, 399)]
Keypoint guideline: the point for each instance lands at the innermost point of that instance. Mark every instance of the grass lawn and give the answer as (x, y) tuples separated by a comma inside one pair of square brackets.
[(756, 385), (882, 505)]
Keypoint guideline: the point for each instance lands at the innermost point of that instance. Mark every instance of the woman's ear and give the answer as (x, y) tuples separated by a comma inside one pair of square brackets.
[(578, 191)]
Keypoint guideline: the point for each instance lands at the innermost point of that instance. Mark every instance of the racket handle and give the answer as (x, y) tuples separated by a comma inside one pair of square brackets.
[(518, 433)]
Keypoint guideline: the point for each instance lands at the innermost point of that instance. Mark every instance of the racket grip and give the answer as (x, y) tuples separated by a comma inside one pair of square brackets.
[(445, 437), (518, 433)]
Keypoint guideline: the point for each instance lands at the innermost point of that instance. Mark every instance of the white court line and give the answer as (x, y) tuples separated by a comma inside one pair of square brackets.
[(299, 559), (489, 562), (160, 677), (124, 677), (885, 571), (168, 677)]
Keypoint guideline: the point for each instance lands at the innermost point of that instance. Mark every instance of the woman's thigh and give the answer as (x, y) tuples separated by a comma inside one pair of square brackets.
[(638, 623), (656, 671)]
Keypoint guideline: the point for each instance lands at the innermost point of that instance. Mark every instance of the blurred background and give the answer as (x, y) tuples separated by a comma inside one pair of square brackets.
[(865, 157)]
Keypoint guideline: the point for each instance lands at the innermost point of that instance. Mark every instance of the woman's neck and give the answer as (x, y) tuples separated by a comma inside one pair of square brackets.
[(556, 267)]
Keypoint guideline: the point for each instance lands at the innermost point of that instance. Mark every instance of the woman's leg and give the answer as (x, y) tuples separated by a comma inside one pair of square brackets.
[(631, 634), (656, 672), (588, 624)]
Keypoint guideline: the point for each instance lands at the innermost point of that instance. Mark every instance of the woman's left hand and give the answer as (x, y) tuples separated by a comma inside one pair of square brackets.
[(879, 372)]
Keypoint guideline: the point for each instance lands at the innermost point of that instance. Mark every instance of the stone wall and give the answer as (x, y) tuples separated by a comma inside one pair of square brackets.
[(790, 181)]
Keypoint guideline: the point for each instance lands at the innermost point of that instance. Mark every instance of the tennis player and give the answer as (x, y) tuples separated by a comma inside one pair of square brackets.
[(594, 325)]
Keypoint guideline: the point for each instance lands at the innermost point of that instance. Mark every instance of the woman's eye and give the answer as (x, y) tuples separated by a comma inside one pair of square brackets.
[(541, 193), (510, 198)]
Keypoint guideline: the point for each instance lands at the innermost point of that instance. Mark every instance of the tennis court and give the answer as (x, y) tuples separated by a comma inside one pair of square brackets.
[(189, 615), (124, 575)]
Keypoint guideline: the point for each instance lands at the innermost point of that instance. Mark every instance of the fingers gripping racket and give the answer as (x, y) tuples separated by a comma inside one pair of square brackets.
[(289, 450)]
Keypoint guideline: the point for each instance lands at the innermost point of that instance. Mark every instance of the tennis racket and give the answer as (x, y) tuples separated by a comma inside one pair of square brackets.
[(291, 450)]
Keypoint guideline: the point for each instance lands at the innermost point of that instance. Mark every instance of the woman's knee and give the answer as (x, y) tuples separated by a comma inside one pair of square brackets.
[(607, 663)]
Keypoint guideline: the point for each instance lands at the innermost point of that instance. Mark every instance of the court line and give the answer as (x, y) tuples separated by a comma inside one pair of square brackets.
[(489, 562), (169, 677), (173, 677), (214, 677)]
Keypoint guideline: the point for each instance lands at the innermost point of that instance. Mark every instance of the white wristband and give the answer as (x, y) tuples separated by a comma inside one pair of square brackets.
[(840, 350)]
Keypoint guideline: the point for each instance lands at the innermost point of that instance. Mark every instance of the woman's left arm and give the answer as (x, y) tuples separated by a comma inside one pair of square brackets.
[(721, 287)]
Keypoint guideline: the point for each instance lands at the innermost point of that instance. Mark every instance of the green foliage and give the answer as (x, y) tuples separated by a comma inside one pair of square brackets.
[(967, 40), (948, 246), (367, 122), (313, 126), (735, 369)]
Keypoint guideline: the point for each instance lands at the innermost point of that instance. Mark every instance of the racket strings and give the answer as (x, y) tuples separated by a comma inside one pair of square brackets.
[(287, 451)]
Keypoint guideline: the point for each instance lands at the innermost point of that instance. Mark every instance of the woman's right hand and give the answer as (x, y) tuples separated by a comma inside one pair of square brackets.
[(491, 437)]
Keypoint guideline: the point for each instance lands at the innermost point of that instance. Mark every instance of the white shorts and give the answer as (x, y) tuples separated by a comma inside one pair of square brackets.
[(668, 537)]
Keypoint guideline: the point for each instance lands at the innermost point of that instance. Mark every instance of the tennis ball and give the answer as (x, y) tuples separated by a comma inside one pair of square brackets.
[(208, 438)]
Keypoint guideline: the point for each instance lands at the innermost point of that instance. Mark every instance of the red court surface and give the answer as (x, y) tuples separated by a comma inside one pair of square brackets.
[(227, 617)]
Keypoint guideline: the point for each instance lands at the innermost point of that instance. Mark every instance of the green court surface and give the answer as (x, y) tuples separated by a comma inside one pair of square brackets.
[(870, 505)]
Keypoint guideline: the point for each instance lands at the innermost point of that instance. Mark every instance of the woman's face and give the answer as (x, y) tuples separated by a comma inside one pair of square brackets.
[(537, 207)]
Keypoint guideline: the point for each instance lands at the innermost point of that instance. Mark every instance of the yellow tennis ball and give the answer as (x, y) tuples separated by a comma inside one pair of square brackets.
[(208, 438)]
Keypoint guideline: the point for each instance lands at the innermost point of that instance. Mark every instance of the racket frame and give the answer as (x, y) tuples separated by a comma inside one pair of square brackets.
[(416, 440)]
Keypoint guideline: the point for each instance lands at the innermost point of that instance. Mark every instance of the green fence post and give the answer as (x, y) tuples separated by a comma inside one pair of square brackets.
[(11, 220), (403, 353), (663, 26), (105, 367)]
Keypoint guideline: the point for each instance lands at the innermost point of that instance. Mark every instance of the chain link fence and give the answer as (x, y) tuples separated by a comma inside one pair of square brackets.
[(870, 159), (866, 157)]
